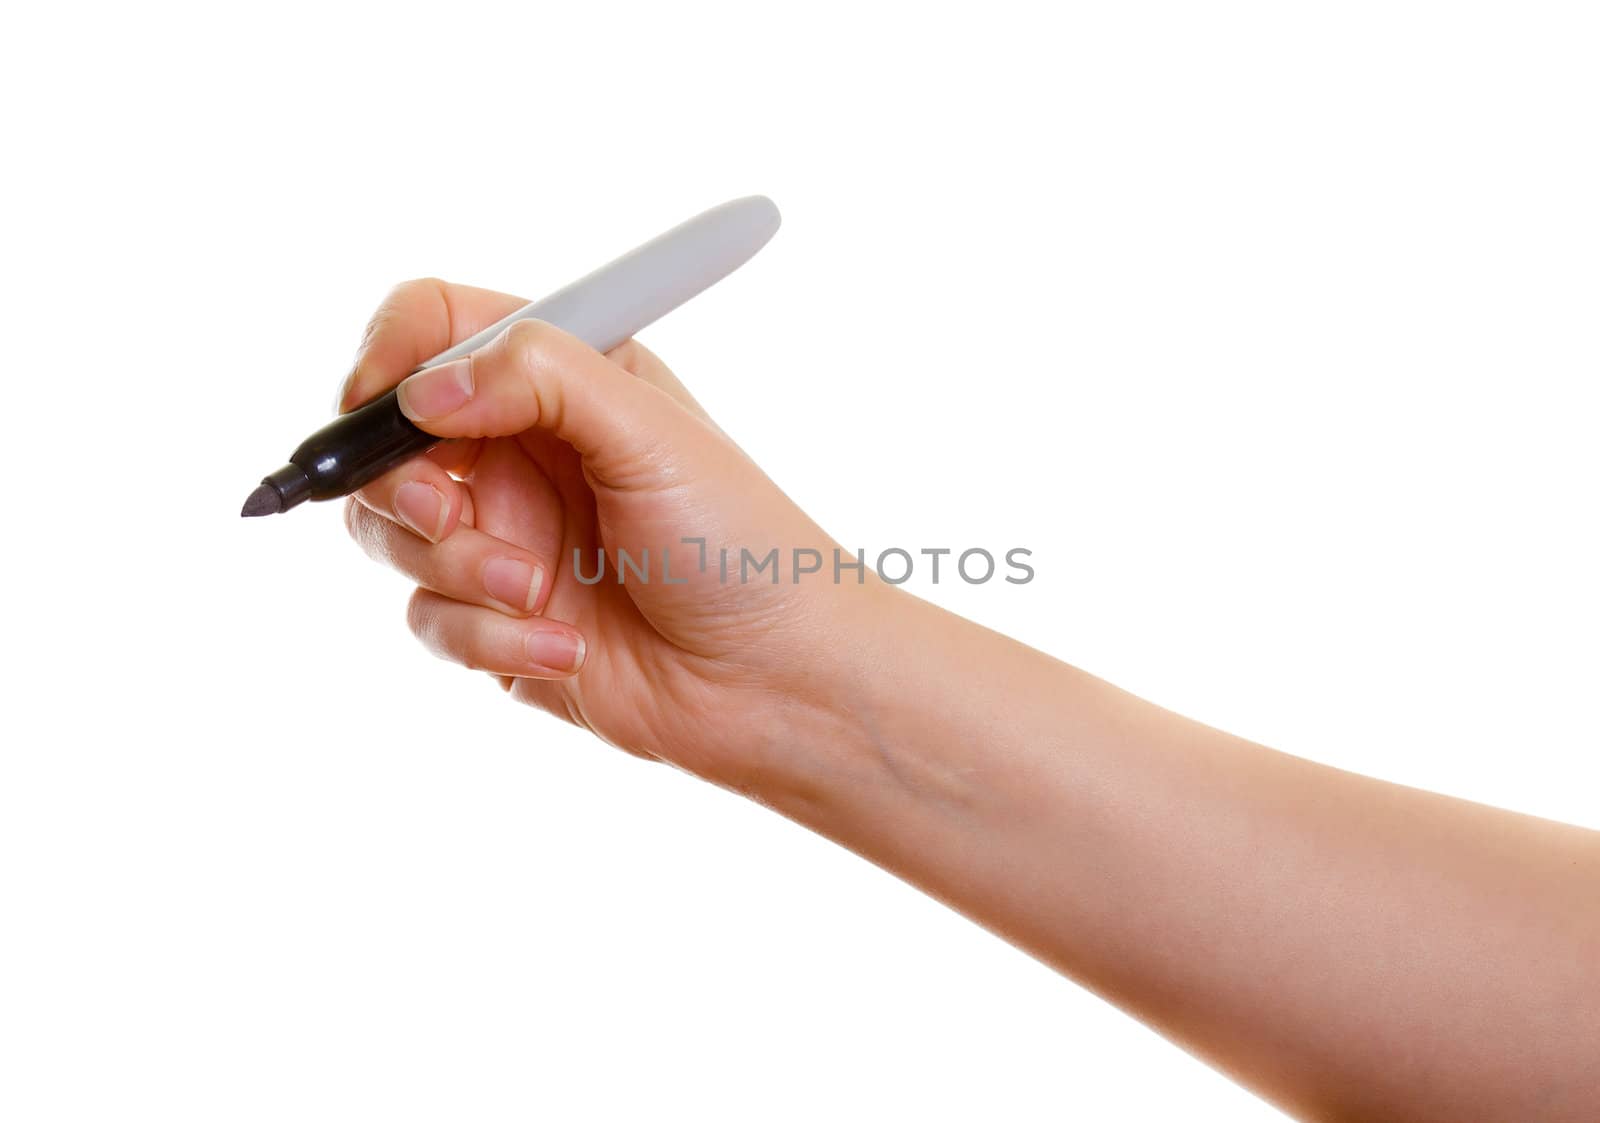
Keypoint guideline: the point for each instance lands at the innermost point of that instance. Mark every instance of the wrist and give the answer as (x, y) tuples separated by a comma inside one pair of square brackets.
[(873, 727)]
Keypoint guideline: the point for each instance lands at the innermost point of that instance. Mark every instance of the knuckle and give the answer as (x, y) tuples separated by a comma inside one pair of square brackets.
[(530, 345), (535, 351), (543, 347), (390, 324), (368, 529), (424, 286), (421, 617), (374, 327), (393, 308), (434, 628), (530, 336)]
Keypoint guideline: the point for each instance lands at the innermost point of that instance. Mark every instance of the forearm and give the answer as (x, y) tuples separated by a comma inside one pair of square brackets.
[(1347, 947)]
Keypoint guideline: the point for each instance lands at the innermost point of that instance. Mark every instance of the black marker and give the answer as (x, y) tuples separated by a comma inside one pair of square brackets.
[(602, 309)]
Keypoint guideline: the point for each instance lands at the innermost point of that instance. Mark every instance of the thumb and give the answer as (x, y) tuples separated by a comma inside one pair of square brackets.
[(535, 376)]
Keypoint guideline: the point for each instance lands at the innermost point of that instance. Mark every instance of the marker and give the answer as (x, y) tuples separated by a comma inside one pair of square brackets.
[(603, 309)]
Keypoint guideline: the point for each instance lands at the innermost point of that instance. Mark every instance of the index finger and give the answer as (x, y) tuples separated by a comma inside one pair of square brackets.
[(415, 322)]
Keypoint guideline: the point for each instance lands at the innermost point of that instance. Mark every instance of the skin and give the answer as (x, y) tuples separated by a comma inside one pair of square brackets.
[(1347, 948)]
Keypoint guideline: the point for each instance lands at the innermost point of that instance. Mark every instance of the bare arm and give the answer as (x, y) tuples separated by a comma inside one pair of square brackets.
[(1350, 949)]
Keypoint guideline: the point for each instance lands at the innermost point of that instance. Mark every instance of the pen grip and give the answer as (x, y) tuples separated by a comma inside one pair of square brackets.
[(357, 447), (602, 309)]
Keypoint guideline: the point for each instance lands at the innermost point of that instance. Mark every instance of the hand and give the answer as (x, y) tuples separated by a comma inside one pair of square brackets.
[(561, 453), (1299, 926)]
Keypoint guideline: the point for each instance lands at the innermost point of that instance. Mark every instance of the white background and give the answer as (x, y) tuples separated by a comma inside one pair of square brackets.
[(1270, 328)]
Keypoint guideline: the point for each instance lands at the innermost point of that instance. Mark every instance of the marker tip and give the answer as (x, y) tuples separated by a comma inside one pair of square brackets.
[(264, 500)]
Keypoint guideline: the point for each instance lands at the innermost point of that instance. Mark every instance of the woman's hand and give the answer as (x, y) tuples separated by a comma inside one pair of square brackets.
[(1349, 948), (560, 454)]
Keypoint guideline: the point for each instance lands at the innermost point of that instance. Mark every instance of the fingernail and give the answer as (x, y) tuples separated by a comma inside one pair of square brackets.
[(558, 651), (437, 391), (422, 508), (513, 582)]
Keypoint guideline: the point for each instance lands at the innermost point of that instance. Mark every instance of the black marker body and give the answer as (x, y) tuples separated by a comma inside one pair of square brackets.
[(349, 451)]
